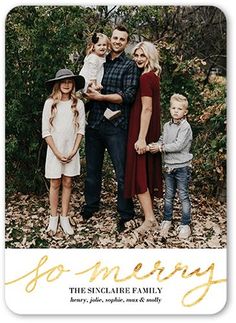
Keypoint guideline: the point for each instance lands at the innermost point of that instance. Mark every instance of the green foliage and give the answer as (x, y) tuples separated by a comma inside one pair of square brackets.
[(178, 77), (210, 142), (207, 115), (42, 39), (39, 41)]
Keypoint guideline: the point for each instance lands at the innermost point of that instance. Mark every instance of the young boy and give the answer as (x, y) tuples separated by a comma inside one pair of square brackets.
[(175, 144)]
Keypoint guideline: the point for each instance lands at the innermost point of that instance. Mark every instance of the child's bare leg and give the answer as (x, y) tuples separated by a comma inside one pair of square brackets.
[(54, 195), (66, 193)]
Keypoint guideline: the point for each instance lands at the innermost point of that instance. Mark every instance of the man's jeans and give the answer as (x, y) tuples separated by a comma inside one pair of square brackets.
[(179, 179), (96, 140)]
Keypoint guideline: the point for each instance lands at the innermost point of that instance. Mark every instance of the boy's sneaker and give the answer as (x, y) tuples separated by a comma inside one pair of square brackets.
[(110, 115), (184, 231), (165, 226)]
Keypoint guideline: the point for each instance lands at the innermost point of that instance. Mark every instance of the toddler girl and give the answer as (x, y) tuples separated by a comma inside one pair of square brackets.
[(93, 68)]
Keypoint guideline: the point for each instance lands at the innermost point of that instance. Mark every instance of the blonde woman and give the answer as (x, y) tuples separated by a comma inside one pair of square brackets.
[(143, 170), (63, 124)]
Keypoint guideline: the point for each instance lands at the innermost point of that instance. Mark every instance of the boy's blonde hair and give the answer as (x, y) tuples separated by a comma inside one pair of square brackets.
[(180, 98), (90, 45), (152, 54)]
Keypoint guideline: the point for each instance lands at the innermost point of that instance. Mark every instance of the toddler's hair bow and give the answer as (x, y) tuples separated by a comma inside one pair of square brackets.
[(95, 39)]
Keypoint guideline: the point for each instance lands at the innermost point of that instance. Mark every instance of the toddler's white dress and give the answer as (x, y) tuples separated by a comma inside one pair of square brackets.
[(92, 69), (64, 134)]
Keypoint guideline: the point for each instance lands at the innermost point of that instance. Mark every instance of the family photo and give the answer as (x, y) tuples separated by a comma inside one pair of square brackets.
[(115, 127)]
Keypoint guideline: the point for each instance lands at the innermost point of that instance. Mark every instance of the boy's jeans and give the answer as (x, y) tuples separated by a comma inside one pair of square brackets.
[(179, 179)]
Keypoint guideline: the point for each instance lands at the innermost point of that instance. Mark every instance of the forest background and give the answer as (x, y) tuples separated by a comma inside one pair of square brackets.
[(40, 40)]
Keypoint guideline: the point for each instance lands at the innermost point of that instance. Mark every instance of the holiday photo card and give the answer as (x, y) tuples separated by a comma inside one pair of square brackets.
[(115, 160)]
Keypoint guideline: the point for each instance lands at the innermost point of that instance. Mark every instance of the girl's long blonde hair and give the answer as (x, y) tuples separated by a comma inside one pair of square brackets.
[(152, 54), (56, 96)]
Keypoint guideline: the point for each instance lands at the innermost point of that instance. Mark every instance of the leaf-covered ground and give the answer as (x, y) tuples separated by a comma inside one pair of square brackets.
[(27, 219)]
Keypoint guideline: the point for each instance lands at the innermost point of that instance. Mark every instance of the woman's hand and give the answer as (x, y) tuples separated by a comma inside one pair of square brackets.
[(140, 146)]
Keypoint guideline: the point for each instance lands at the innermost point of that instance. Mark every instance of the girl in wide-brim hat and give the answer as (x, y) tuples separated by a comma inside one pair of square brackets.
[(65, 73), (63, 124)]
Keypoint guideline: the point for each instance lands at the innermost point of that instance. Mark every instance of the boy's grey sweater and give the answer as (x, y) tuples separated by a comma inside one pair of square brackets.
[(176, 140)]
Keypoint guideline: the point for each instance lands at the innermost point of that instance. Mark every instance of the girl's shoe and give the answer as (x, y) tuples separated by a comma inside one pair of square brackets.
[(53, 223), (65, 224)]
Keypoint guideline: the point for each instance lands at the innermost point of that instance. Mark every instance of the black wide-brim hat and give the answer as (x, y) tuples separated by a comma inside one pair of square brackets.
[(67, 74)]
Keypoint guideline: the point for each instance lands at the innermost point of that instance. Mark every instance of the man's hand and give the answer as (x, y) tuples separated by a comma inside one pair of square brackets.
[(92, 94)]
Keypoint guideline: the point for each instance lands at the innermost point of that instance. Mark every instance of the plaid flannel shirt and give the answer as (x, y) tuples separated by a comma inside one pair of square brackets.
[(121, 76)]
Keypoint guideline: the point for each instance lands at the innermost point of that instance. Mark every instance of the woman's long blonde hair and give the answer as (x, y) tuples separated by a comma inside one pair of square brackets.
[(56, 96), (152, 54)]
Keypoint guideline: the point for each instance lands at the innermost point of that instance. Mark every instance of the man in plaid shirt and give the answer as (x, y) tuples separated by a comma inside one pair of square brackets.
[(120, 83)]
